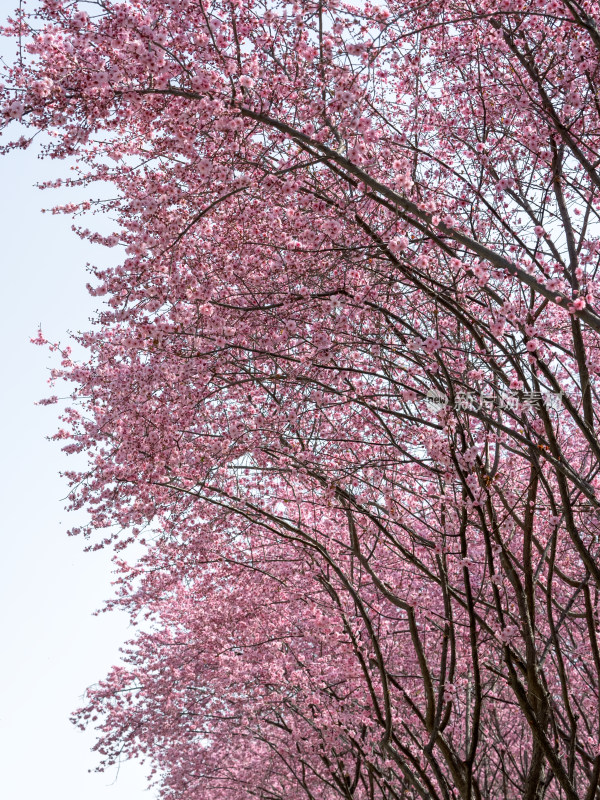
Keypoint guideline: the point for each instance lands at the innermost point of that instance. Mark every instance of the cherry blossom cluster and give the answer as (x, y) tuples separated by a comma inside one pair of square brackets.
[(328, 215)]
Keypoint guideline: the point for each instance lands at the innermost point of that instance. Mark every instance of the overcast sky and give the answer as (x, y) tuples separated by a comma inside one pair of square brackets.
[(52, 647)]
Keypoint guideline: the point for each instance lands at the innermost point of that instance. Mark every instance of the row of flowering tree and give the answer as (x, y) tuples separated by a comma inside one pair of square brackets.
[(343, 388)]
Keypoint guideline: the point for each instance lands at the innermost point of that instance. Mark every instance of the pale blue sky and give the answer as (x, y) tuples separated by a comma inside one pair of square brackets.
[(52, 646)]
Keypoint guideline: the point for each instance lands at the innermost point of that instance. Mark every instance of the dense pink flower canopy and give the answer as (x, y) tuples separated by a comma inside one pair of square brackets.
[(343, 386)]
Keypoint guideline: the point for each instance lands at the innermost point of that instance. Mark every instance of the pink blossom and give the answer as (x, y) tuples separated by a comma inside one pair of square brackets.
[(15, 109), (315, 398)]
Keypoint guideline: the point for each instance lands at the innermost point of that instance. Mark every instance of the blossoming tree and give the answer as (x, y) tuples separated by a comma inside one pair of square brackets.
[(343, 389)]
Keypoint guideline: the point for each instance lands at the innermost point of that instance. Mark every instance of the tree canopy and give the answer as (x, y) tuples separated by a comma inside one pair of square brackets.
[(343, 386)]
